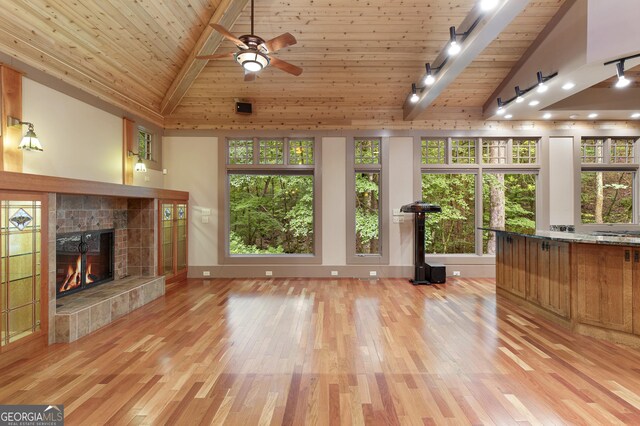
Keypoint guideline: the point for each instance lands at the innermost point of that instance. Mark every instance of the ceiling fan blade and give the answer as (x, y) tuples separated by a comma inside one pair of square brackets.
[(277, 43), (222, 30), (249, 76), (224, 55), (285, 66)]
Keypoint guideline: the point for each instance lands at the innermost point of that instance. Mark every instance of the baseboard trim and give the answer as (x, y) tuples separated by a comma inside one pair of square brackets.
[(325, 271)]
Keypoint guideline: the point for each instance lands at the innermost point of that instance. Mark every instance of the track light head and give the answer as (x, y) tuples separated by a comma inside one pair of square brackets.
[(454, 46), (429, 78), (542, 87), (501, 109), (414, 94), (622, 80), (519, 98)]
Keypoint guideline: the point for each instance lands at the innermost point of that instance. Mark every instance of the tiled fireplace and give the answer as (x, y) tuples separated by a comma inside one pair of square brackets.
[(121, 227)]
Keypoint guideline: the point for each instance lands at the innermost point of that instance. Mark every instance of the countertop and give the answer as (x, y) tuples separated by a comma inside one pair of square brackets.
[(571, 237)]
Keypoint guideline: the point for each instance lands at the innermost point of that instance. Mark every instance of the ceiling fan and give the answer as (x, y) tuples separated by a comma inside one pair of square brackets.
[(254, 53)]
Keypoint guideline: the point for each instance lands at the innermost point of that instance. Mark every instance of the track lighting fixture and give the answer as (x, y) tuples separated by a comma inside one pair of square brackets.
[(541, 86), (429, 78), (622, 80), (454, 46), (501, 109), (414, 94)]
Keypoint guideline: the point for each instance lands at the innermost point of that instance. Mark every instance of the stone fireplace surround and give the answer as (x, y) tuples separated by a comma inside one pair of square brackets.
[(134, 222)]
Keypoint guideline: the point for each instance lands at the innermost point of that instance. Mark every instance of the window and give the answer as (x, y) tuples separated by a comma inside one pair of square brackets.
[(453, 230), (497, 188), (145, 141), (272, 197), (367, 194), (367, 203), (508, 200), (607, 181)]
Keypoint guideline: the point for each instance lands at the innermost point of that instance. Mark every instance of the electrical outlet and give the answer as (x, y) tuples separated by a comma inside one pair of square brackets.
[(147, 178), (164, 171), (206, 273), (206, 212), (205, 219), (334, 273), (373, 274), (456, 273), (268, 273)]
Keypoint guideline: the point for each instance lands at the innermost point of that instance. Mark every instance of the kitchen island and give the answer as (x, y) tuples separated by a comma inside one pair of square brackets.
[(589, 283)]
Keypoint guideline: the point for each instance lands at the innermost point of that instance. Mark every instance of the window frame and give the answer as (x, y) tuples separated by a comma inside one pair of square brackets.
[(150, 138), (608, 166), (353, 258), (479, 168), (226, 169)]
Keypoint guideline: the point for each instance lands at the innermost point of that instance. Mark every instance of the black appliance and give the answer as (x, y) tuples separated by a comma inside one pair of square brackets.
[(420, 209)]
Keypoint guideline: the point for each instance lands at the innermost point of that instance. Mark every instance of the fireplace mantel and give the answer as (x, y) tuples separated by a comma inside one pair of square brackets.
[(39, 183)]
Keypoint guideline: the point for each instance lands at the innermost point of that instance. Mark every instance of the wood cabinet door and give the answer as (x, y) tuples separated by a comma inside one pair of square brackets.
[(604, 286), (534, 253), (557, 297), (500, 253), (636, 290), (518, 266)]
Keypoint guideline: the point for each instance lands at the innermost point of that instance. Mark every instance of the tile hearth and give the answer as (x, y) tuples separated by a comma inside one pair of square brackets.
[(82, 313)]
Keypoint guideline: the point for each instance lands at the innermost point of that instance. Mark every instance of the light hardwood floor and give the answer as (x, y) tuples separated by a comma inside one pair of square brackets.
[(306, 351)]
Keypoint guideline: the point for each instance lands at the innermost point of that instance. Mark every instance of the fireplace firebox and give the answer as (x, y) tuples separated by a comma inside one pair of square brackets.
[(83, 260)]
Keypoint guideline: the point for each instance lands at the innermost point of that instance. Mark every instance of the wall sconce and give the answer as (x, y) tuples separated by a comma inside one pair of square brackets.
[(29, 141), (140, 166)]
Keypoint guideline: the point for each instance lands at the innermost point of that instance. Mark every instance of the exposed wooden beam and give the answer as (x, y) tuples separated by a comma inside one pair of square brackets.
[(11, 94), (226, 15), (128, 131), (491, 101), (487, 29)]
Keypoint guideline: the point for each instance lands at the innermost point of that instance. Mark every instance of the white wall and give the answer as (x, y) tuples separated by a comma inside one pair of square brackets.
[(401, 192), (79, 140), (192, 165), (334, 201), (561, 174)]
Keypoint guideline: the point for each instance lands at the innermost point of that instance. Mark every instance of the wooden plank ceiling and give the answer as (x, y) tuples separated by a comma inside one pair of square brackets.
[(126, 52), (359, 61), (359, 57)]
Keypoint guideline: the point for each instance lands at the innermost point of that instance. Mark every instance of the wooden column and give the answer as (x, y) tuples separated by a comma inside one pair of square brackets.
[(11, 93), (128, 144)]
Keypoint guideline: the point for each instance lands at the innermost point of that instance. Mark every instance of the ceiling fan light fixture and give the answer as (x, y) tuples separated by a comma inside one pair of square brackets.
[(252, 60)]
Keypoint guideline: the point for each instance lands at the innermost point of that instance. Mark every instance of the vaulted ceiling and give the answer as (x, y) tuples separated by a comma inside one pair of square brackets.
[(359, 57)]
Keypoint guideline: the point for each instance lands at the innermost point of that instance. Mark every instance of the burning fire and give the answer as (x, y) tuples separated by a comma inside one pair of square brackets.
[(74, 278)]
